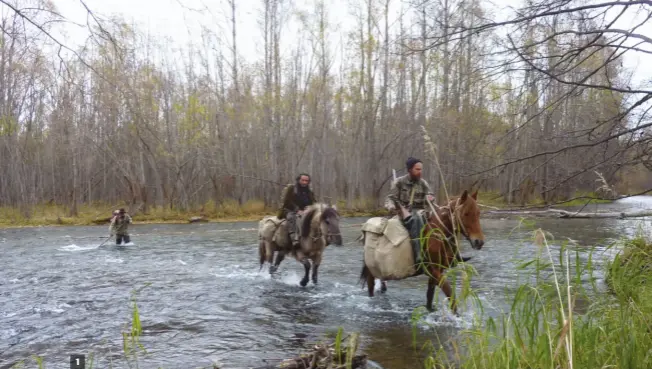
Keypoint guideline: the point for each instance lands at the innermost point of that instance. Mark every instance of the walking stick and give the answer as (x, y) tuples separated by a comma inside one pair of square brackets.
[(108, 238)]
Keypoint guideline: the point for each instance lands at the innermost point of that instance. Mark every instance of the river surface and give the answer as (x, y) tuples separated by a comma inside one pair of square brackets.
[(203, 299)]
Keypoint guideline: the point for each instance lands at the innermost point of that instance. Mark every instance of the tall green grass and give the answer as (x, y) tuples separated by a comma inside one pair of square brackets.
[(560, 317)]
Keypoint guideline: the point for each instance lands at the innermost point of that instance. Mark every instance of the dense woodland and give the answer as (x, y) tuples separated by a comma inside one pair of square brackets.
[(538, 106)]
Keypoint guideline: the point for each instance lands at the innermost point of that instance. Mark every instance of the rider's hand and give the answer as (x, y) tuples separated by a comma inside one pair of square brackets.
[(431, 198)]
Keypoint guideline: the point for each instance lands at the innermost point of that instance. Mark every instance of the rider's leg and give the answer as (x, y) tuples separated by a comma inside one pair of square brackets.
[(414, 224), (291, 218)]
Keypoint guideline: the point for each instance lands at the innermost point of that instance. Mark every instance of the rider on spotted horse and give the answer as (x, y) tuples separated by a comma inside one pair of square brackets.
[(411, 192)]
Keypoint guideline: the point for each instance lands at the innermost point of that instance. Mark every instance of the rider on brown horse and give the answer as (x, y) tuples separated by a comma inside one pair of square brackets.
[(295, 198), (411, 192)]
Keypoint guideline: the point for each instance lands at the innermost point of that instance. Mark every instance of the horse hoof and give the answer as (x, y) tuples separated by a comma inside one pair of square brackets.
[(430, 309), (303, 282), (383, 289)]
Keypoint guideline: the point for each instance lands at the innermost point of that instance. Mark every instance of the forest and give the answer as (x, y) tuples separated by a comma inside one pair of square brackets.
[(537, 106)]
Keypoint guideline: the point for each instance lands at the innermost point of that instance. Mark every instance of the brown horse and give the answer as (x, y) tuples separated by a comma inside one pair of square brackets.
[(461, 215), (319, 227)]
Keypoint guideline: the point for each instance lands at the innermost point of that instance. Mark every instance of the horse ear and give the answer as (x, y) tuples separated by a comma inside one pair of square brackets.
[(465, 194), (475, 195)]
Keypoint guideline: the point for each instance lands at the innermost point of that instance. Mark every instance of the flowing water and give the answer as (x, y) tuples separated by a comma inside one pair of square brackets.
[(203, 299)]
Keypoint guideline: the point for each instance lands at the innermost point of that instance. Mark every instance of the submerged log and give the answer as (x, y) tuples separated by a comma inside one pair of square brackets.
[(312, 362), (563, 214), (323, 357)]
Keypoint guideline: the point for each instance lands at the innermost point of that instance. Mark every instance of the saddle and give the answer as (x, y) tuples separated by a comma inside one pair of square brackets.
[(281, 234)]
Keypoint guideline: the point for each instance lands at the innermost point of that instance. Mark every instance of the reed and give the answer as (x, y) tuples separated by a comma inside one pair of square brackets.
[(561, 317)]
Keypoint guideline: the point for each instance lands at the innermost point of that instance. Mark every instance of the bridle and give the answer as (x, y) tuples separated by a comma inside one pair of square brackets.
[(457, 223)]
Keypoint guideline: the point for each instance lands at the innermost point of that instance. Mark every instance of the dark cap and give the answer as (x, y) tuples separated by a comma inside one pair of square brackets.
[(411, 162)]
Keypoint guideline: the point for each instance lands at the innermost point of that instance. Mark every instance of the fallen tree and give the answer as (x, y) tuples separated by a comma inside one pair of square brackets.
[(563, 214)]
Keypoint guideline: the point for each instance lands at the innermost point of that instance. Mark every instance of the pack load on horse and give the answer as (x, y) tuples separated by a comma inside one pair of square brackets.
[(395, 248), (302, 228)]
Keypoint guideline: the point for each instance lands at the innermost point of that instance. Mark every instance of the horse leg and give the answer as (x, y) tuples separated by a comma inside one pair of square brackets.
[(280, 255), (371, 284), (306, 266), (430, 293), (314, 273), (383, 286), (316, 261), (433, 281), (266, 250)]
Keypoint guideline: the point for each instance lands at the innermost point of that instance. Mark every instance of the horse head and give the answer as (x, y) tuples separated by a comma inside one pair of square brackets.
[(323, 219), (467, 218)]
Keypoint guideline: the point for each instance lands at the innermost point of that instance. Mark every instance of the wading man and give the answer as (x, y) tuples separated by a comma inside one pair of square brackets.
[(120, 227)]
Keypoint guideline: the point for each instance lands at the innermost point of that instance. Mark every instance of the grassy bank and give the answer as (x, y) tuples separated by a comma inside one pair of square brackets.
[(562, 318), (229, 211)]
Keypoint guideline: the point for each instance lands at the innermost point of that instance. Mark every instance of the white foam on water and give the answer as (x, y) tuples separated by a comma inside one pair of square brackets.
[(443, 316), (56, 308), (127, 244), (6, 334), (290, 279), (235, 272), (114, 260), (182, 262), (73, 248)]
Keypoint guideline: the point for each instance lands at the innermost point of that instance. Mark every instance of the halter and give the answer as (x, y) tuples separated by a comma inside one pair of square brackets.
[(318, 233), (459, 226)]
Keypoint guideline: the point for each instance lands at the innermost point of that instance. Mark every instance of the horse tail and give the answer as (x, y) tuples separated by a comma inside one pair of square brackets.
[(364, 274)]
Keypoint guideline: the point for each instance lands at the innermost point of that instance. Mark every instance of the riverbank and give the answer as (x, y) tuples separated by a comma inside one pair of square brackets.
[(229, 211), (565, 318), (99, 214)]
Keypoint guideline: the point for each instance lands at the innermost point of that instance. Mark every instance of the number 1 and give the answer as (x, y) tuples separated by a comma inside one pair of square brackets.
[(77, 361)]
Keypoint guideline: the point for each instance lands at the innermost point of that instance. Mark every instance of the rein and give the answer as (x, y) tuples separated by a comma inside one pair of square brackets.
[(454, 215), (318, 234)]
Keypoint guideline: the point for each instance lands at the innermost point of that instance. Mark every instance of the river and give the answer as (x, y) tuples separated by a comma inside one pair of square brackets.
[(206, 301)]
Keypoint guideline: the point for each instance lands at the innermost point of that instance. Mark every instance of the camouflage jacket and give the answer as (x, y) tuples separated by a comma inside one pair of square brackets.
[(289, 200), (402, 190), (120, 226)]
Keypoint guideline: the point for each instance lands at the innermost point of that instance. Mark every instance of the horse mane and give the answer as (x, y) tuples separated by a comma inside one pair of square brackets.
[(307, 220), (329, 212), (309, 215), (442, 220)]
